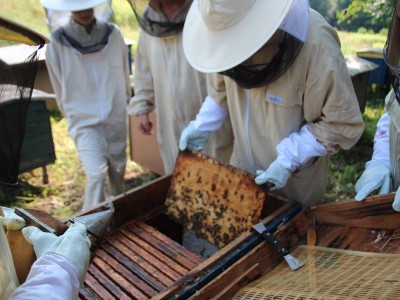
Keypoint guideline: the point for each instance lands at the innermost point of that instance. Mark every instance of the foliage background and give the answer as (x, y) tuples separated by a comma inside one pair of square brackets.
[(61, 196)]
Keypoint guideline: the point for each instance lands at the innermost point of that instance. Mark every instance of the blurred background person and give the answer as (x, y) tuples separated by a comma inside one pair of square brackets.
[(87, 61), (165, 82)]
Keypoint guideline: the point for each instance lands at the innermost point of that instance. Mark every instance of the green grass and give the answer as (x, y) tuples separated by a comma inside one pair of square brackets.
[(351, 41)]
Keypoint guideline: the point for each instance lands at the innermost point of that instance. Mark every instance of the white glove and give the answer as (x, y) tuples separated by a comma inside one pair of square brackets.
[(11, 221), (193, 138), (396, 202), (376, 175), (276, 173), (73, 245)]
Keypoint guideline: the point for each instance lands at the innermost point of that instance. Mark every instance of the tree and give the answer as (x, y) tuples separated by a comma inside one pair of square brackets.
[(325, 8), (371, 14)]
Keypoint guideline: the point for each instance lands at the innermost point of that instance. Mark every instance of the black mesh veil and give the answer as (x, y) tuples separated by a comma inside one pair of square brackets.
[(156, 24), (16, 85), (256, 75)]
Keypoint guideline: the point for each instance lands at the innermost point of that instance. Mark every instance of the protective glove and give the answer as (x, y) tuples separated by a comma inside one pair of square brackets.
[(277, 174), (376, 175), (73, 245), (193, 138), (396, 202), (11, 221)]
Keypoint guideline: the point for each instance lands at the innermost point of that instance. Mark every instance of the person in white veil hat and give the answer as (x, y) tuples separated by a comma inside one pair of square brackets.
[(276, 67), (88, 66)]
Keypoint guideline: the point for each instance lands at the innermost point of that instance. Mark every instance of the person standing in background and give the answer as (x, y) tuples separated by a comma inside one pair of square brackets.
[(166, 83), (87, 61)]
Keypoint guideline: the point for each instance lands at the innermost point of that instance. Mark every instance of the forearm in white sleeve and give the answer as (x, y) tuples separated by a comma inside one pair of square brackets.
[(381, 141), (299, 148), (211, 116), (52, 276)]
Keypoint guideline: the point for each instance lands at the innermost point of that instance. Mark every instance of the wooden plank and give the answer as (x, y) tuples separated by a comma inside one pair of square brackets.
[(374, 210), (193, 259), (228, 283), (93, 287), (329, 236), (246, 277), (145, 200), (130, 264), (164, 247), (85, 293), (137, 256), (149, 256), (114, 290), (121, 275), (115, 279)]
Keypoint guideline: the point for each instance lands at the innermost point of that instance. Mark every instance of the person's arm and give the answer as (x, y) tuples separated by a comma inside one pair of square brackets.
[(294, 152), (54, 69), (143, 102), (61, 264), (209, 119), (51, 273), (377, 170)]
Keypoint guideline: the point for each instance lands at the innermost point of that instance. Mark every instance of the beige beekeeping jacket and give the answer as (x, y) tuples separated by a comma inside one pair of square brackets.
[(393, 108), (316, 90), (164, 81)]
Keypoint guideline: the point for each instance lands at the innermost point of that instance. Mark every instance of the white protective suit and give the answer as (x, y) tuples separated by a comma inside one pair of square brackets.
[(52, 276), (165, 81), (315, 92), (8, 277), (51, 272), (92, 92)]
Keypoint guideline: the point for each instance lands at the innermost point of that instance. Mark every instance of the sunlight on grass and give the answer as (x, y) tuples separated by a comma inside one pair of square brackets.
[(352, 42)]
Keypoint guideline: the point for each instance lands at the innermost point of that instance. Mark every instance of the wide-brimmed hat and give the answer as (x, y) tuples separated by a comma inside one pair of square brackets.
[(220, 34), (70, 5)]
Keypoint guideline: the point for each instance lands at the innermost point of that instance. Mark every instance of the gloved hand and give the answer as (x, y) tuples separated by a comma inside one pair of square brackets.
[(376, 175), (276, 173), (193, 138), (11, 221), (396, 202), (73, 245)]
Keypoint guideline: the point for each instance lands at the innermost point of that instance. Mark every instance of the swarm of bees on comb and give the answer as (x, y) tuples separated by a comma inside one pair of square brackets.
[(216, 201)]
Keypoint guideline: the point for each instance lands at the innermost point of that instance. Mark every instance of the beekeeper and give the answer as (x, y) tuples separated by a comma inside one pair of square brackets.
[(277, 68), (61, 264), (164, 82), (382, 172), (87, 61)]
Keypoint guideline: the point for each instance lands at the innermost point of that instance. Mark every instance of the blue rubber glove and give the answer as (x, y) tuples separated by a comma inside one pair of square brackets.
[(73, 245), (276, 174), (193, 138), (376, 176)]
